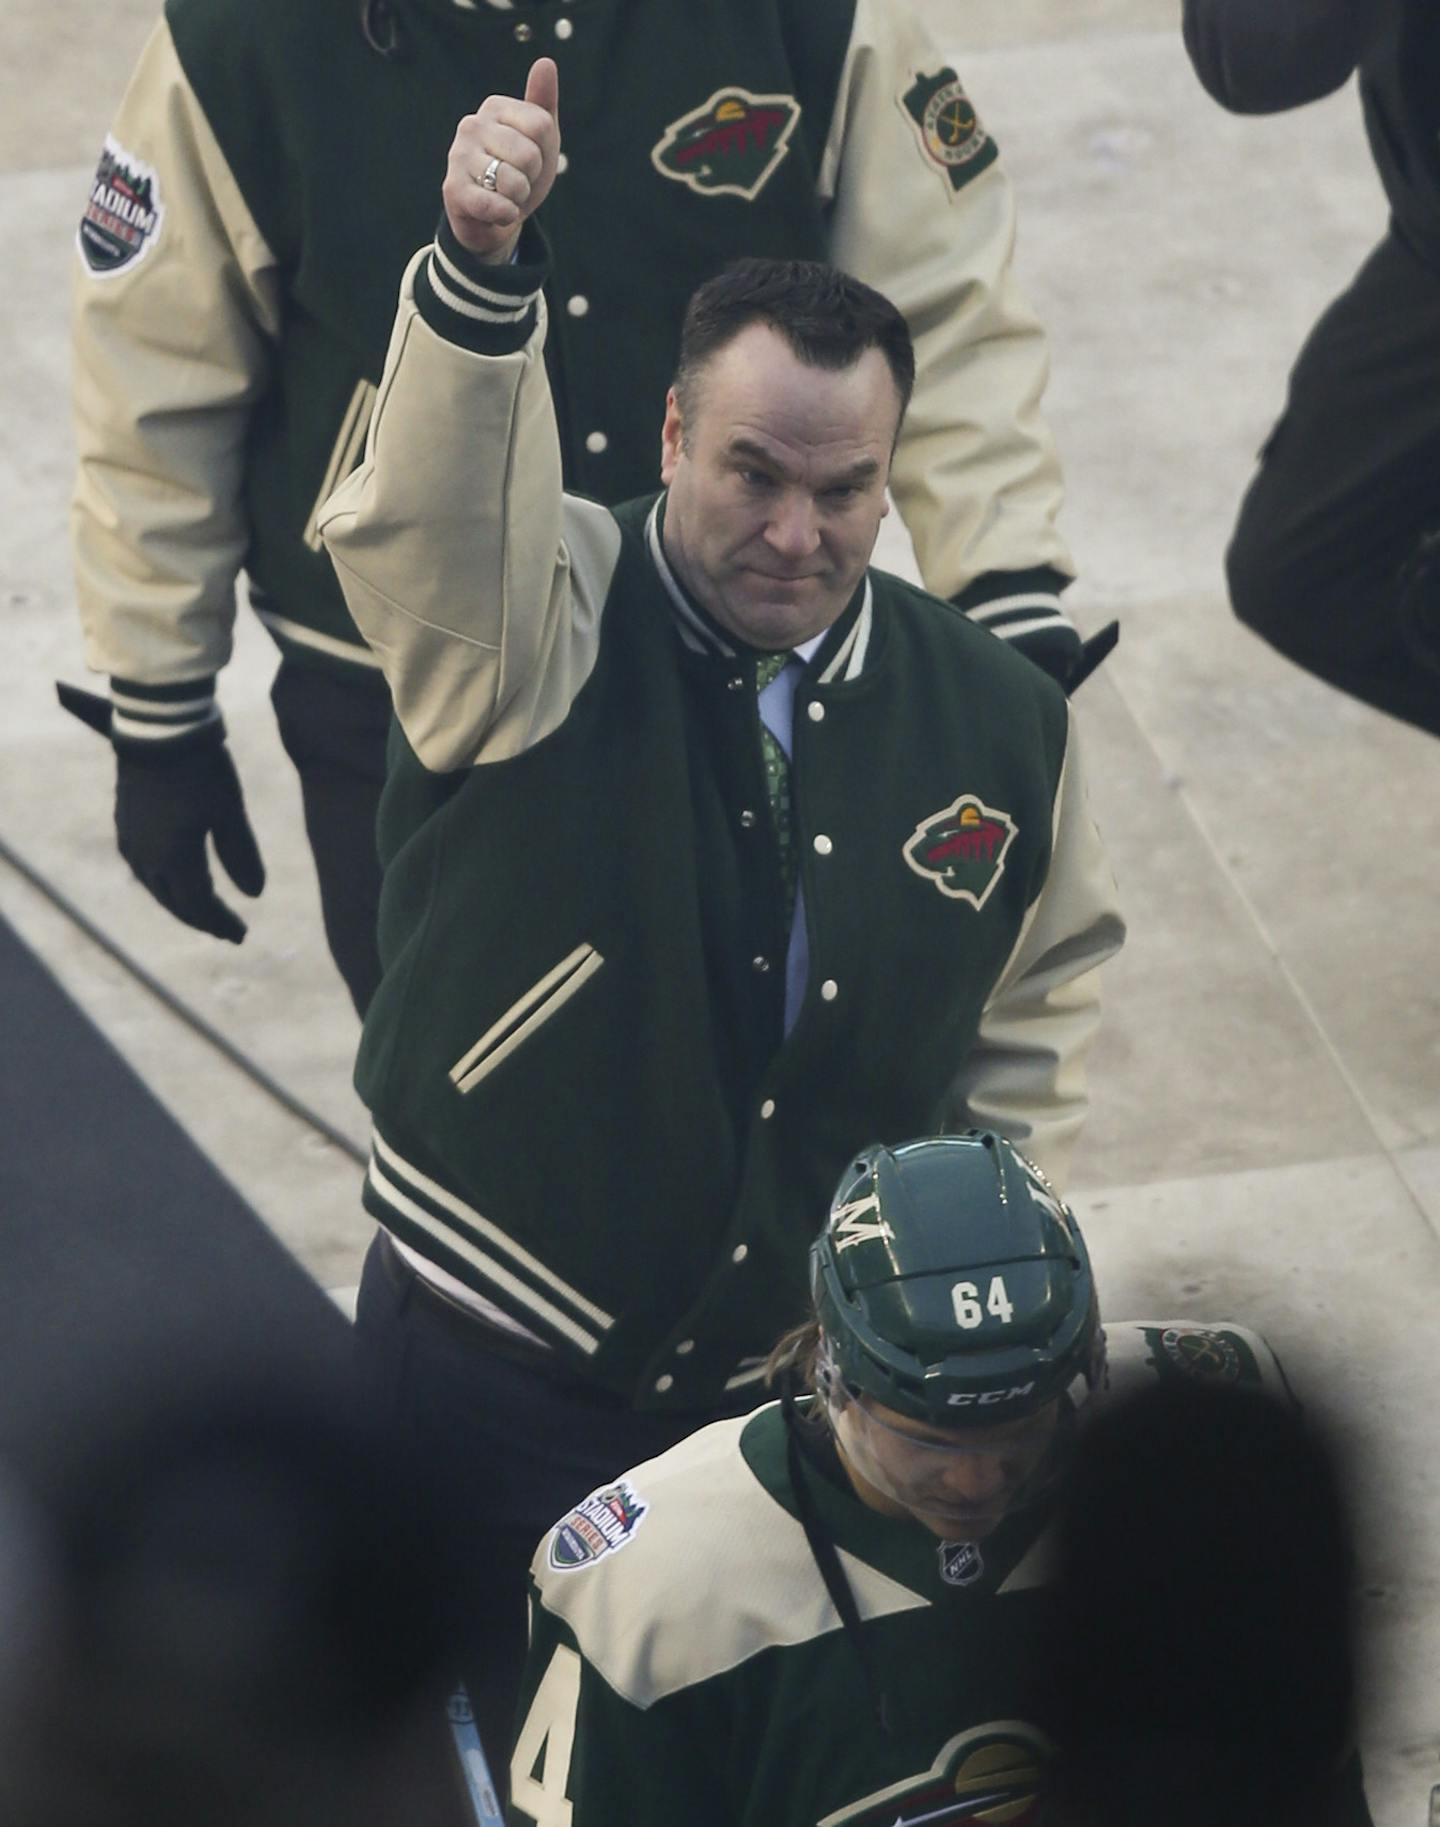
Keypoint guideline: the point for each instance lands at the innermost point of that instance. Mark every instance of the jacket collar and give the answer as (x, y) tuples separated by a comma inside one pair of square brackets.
[(842, 649)]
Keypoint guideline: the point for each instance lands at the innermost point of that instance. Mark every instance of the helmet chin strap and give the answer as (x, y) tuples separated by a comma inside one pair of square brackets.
[(822, 1551)]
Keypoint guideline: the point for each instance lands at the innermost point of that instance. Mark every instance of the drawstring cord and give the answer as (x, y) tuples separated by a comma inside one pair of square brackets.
[(822, 1550)]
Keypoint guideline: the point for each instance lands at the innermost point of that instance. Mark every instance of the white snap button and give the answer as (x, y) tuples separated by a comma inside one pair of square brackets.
[(664, 1383), (829, 989), (524, 32), (578, 305), (815, 711), (684, 1348), (759, 966), (564, 28), (740, 1252), (596, 442), (747, 818), (767, 1109), (735, 685), (562, 163), (823, 846)]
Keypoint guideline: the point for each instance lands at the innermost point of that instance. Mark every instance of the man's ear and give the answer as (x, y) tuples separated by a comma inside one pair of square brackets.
[(672, 438)]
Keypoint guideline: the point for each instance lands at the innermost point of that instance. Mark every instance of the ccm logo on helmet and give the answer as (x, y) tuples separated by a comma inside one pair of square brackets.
[(969, 1399)]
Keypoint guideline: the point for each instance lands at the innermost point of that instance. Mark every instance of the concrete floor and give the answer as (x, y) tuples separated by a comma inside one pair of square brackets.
[(1266, 1137)]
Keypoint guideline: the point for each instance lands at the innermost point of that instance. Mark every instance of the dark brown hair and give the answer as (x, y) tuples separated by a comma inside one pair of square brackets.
[(796, 1353), (827, 318)]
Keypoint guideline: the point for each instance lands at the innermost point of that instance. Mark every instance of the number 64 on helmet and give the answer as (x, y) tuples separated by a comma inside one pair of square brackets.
[(953, 1286)]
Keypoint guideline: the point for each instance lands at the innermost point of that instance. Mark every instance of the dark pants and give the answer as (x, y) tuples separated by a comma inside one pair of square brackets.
[(334, 726), (1348, 482), (508, 1446)]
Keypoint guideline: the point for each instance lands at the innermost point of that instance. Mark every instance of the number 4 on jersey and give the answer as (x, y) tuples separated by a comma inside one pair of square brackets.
[(541, 1764), (965, 1296)]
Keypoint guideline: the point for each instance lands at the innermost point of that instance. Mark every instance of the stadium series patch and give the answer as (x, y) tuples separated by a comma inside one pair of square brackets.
[(948, 128), (962, 849), (123, 217), (605, 1521), (730, 145)]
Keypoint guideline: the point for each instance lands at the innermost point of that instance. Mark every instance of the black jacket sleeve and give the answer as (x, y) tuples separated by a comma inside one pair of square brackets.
[(1261, 56)]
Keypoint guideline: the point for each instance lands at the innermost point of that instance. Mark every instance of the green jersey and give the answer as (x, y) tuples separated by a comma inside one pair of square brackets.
[(687, 1664)]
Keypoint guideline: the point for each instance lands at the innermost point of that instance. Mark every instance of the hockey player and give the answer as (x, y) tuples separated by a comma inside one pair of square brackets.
[(826, 1612)]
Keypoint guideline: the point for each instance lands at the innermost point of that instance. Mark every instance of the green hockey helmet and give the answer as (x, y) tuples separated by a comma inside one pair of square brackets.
[(953, 1286)]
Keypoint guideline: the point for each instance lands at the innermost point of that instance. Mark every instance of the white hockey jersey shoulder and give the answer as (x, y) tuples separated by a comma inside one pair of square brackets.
[(686, 1567)]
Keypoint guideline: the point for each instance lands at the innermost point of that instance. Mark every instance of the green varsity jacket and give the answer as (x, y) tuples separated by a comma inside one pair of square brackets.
[(585, 1105)]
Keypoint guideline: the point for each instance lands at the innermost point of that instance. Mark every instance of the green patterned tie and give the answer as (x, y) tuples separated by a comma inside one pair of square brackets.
[(768, 667)]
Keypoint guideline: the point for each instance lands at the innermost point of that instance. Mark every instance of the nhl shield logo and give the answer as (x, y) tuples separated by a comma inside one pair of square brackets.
[(604, 1522), (729, 146), (949, 130), (122, 218), (960, 1563), (963, 849)]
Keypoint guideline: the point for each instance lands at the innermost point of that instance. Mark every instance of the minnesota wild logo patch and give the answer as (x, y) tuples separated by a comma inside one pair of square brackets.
[(730, 145), (991, 1773), (122, 218), (963, 849), (1201, 1353), (603, 1523), (948, 128)]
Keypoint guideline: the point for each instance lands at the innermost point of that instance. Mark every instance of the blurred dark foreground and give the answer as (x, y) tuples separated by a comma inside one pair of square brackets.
[(1200, 1666), (236, 1616), (221, 1603)]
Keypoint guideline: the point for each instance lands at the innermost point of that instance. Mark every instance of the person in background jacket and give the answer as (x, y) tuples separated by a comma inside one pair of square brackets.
[(1347, 487), (266, 179)]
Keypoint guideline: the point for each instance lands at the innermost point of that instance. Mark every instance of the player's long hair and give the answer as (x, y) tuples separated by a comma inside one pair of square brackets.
[(795, 1355)]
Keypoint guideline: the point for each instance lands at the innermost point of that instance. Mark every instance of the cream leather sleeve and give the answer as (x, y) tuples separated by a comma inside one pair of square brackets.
[(475, 580), (976, 476), (1025, 1075), (170, 350)]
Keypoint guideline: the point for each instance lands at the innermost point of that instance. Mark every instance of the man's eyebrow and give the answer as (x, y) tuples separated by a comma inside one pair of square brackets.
[(742, 446), (860, 471)]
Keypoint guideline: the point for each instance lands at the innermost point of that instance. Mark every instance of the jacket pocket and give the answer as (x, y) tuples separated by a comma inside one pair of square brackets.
[(348, 449), (525, 1017)]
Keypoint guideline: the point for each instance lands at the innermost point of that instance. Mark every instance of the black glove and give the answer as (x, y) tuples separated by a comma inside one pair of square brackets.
[(1036, 625), (169, 795), (1092, 653), (1058, 649)]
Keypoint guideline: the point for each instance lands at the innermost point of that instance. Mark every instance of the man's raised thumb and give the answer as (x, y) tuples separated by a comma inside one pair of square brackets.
[(542, 85)]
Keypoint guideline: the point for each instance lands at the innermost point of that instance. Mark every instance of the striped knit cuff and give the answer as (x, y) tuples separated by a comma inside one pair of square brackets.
[(490, 309), (1012, 603), (1023, 609), (156, 716)]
